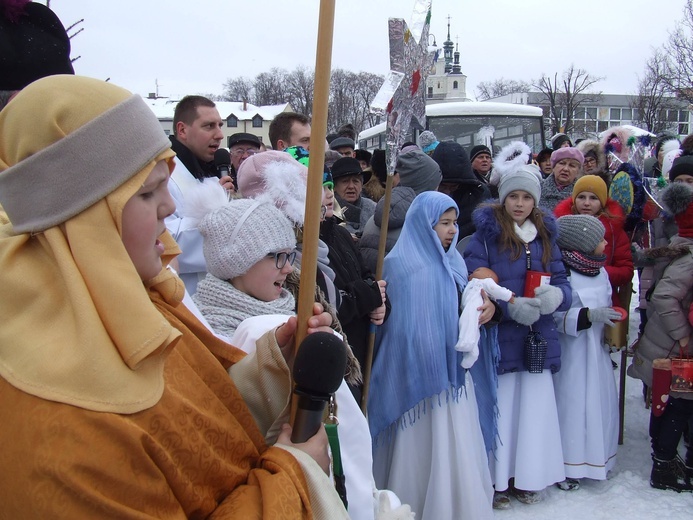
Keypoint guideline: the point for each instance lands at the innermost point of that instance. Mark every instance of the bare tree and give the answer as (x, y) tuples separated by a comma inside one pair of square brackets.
[(566, 94), (238, 89), (300, 86), (270, 87), (351, 93), (654, 95), (679, 52), (500, 87)]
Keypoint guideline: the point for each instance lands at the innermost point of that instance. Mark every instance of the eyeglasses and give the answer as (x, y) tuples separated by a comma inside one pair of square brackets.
[(590, 160), (281, 258), (240, 152)]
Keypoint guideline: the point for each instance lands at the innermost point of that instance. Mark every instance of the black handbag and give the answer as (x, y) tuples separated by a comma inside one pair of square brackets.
[(535, 352)]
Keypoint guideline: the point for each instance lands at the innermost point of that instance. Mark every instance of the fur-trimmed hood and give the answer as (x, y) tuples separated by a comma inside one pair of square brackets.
[(590, 145), (617, 216), (487, 225), (618, 147)]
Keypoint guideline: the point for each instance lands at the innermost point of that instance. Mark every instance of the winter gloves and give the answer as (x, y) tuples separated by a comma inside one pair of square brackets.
[(550, 298), (605, 315), (525, 311)]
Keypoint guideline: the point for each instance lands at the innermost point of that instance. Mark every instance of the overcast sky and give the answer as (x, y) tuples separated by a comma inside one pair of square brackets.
[(193, 47)]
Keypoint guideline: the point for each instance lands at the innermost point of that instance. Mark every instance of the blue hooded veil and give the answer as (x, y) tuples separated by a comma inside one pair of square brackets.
[(415, 358)]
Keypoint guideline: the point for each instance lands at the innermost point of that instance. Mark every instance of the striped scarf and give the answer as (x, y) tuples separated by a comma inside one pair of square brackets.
[(589, 265)]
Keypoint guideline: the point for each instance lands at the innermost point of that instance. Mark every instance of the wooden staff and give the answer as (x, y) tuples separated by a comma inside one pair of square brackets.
[(311, 226), (370, 347)]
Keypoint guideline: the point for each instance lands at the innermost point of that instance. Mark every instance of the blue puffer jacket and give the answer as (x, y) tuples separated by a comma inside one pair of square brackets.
[(482, 251)]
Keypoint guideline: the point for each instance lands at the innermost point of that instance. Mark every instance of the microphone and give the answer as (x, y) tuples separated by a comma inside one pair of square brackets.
[(222, 162), (318, 371)]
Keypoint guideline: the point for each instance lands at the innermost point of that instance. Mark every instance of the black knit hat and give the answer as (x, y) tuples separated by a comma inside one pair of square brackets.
[(682, 166), (454, 162), (478, 149), (32, 47)]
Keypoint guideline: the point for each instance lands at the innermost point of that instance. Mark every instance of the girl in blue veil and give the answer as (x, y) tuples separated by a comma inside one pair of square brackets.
[(428, 445)]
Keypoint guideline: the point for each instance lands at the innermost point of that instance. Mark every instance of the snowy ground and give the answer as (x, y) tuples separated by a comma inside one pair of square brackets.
[(627, 493)]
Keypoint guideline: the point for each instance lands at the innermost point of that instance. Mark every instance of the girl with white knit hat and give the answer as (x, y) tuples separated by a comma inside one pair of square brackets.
[(249, 246), (517, 240)]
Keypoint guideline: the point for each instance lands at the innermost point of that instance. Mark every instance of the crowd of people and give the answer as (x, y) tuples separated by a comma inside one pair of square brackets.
[(148, 340)]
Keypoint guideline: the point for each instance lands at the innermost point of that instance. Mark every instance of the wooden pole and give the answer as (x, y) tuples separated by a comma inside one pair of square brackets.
[(311, 227), (370, 346)]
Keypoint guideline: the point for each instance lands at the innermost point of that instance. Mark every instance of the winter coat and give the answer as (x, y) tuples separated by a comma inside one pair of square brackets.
[(551, 196), (357, 214), (456, 168), (667, 316), (619, 259), (468, 196), (483, 251), (359, 290), (650, 260), (400, 200)]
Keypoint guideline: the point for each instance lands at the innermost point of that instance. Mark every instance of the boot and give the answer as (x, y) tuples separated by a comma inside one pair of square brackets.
[(670, 474), (501, 500)]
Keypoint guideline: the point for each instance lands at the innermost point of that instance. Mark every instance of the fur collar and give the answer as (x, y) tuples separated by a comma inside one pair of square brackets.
[(671, 252), (488, 227)]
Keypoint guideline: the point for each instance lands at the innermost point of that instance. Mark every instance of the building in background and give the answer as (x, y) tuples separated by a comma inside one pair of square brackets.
[(238, 116), (611, 110)]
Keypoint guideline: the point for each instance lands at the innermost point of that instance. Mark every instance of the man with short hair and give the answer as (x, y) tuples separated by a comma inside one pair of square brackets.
[(344, 146), (289, 129), (565, 165), (197, 135), (348, 184), (242, 146)]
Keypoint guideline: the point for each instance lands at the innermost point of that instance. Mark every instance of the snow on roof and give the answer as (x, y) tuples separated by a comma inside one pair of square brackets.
[(163, 108)]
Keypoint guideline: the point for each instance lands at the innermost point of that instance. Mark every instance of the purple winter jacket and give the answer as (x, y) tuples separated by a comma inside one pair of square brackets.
[(482, 251)]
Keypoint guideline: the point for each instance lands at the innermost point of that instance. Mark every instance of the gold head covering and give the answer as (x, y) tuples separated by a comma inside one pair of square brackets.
[(78, 324)]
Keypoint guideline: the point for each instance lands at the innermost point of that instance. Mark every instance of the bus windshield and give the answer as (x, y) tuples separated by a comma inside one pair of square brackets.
[(472, 123)]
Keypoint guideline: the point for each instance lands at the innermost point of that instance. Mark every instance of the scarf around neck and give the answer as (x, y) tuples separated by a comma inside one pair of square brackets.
[(589, 265), (526, 232), (225, 307)]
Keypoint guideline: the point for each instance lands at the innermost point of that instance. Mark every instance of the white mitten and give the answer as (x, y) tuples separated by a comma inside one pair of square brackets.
[(385, 511), (550, 297)]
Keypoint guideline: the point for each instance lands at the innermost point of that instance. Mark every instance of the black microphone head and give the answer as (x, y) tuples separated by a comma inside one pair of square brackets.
[(320, 364), (222, 157)]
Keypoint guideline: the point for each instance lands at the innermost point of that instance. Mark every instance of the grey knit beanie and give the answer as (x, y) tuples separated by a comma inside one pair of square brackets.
[(525, 179), (581, 233), (241, 233), (418, 171)]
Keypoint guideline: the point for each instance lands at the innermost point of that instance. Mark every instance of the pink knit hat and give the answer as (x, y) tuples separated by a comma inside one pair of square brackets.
[(566, 153), (275, 177)]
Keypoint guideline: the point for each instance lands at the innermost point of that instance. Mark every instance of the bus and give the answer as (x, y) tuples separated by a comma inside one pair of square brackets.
[(471, 123)]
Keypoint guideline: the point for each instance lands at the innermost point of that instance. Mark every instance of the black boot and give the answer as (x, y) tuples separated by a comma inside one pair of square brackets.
[(670, 474)]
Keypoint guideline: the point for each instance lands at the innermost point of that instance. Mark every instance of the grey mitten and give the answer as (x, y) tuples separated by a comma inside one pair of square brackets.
[(550, 297), (525, 311), (603, 315)]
